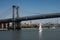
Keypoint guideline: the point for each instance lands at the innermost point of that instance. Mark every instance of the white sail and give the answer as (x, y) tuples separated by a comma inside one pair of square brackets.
[(53, 27), (40, 27)]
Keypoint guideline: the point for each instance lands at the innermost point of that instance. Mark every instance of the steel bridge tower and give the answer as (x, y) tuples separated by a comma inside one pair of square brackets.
[(16, 25)]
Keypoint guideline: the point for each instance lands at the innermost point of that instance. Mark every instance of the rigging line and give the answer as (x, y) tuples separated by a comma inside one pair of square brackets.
[(5, 13), (11, 2), (29, 11), (14, 2)]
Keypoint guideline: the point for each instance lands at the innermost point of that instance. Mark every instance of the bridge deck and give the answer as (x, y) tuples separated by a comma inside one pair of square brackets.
[(42, 16)]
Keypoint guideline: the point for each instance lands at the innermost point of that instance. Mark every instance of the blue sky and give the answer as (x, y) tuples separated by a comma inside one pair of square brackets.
[(29, 7)]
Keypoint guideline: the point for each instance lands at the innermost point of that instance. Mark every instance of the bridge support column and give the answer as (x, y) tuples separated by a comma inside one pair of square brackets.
[(18, 25), (0, 26), (4, 25), (8, 26), (13, 25)]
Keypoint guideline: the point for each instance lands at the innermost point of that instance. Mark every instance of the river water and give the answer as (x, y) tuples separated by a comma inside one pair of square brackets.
[(31, 34)]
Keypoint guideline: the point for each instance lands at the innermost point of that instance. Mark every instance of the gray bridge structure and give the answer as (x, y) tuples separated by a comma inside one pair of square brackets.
[(16, 19)]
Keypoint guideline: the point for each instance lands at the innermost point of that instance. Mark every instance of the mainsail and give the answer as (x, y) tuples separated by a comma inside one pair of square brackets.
[(40, 27)]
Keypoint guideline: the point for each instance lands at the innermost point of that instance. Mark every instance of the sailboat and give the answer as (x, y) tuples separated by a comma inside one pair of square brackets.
[(40, 27), (53, 27)]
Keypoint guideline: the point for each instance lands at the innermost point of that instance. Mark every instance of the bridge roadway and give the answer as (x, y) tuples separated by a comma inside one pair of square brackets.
[(41, 16)]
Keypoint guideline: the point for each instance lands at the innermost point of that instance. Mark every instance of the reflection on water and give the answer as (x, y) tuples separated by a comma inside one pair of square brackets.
[(31, 34), (40, 35), (25, 34), (16, 35)]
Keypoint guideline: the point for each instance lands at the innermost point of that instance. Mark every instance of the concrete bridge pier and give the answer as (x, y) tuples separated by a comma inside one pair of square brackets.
[(1, 26)]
